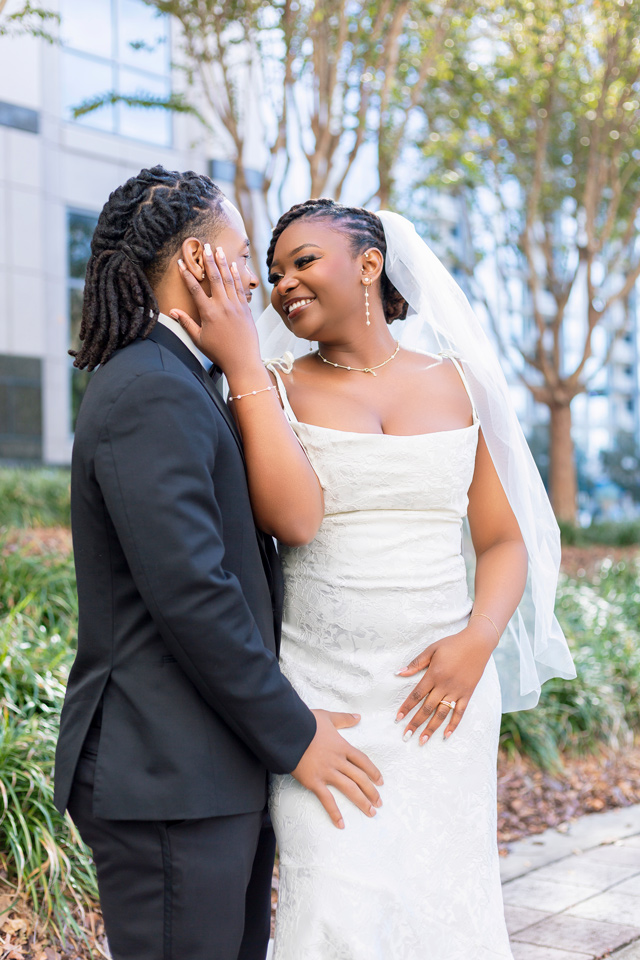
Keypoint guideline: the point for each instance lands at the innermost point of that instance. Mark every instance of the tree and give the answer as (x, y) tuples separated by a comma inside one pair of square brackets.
[(333, 76), (31, 20), (535, 126)]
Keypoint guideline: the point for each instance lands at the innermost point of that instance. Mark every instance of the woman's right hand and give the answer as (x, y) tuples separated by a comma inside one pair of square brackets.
[(226, 332)]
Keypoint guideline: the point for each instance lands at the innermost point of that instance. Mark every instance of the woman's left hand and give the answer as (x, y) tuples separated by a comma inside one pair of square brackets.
[(454, 666)]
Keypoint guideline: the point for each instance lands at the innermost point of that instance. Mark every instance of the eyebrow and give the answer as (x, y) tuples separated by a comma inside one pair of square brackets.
[(298, 249)]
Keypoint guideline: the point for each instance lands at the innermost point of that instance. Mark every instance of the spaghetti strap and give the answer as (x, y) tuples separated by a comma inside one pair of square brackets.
[(456, 362), (285, 365)]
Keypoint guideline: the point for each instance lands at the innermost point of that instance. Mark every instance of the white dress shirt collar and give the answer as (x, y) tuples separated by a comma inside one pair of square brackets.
[(176, 329)]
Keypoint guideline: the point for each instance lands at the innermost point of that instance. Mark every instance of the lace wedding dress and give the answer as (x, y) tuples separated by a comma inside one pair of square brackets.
[(383, 578)]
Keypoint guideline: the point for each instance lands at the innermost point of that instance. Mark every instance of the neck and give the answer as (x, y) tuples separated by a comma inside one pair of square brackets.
[(371, 347), (172, 296)]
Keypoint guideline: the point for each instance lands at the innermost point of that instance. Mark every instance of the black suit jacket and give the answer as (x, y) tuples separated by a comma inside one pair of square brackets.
[(177, 640)]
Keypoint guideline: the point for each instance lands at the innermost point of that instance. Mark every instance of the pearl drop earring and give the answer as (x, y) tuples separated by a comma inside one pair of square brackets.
[(366, 282)]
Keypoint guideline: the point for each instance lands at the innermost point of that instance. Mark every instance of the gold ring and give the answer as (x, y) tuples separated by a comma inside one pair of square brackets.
[(449, 703)]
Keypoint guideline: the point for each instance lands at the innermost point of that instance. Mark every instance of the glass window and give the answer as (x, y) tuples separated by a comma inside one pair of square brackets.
[(143, 37), (143, 123), (20, 408), (80, 227), (83, 79), (122, 46), (88, 26)]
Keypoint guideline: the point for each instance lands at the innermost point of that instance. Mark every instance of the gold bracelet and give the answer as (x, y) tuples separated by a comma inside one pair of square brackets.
[(252, 393), (486, 618)]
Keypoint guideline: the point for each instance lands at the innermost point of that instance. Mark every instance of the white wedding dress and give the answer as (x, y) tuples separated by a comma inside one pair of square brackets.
[(382, 579)]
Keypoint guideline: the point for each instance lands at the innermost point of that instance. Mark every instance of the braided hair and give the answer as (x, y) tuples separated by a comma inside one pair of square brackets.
[(364, 229), (141, 226)]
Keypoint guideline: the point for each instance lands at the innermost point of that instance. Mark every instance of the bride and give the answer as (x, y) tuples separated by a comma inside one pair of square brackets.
[(404, 436)]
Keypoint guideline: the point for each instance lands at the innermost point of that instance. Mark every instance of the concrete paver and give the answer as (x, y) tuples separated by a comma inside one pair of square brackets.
[(529, 951), (546, 895), (596, 864), (520, 917), (612, 907)]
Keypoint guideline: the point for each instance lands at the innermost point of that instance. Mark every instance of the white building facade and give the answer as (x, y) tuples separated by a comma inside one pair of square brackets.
[(55, 175)]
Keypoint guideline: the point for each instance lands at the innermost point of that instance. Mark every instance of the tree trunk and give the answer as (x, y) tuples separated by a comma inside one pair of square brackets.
[(562, 466)]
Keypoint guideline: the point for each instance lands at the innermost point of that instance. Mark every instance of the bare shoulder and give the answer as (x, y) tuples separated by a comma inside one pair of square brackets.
[(440, 376)]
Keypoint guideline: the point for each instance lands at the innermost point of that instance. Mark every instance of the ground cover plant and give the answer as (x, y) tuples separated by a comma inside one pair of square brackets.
[(44, 863), (571, 755)]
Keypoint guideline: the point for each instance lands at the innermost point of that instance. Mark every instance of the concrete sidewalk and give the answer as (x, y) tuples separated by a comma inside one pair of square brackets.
[(574, 894)]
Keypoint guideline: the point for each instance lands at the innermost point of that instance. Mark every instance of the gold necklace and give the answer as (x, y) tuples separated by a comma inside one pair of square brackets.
[(370, 370)]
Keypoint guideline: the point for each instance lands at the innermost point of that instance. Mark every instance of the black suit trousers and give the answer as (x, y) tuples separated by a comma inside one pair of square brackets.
[(182, 889)]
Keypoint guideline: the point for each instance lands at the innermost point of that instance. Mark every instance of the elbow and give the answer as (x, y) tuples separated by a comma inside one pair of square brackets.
[(293, 531), (296, 533)]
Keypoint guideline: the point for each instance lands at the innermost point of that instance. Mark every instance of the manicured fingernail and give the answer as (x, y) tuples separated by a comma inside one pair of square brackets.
[(380, 782), (423, 739), (234, 267), (356, 716), (408, 736), (372, 811), (207, 250), (378, 803), (399, 673), (173, 314), (181, 264), (399, 717), (448, 734), (340, 824), (220, 253)]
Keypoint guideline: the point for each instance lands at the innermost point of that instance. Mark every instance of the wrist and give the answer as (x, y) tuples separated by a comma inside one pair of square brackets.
[(251, 376), (483, 631)]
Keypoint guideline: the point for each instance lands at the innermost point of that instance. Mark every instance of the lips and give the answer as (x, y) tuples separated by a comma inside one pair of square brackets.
[(294, 306)]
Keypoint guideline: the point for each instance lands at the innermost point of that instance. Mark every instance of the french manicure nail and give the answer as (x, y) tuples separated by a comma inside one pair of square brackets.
[(378, 802), (234, 266), (380, 782), (448, 734), (220, 252), (207, 250), (423, 739), (398, 673), (399, 718), (372, 811), (408, 736), (356, 716), (181, 263), (340, 824)]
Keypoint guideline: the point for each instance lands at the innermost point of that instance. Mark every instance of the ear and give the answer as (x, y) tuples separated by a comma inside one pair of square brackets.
[(192, 254), (371, 264)]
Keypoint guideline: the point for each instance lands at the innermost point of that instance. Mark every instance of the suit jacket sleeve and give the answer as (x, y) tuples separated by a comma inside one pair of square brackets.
[(154, 463)]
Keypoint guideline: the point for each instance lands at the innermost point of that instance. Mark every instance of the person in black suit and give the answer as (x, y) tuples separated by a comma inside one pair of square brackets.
[(176, 708)]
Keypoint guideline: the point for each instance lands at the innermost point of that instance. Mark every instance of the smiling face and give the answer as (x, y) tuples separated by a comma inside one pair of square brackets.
[(317, 281)]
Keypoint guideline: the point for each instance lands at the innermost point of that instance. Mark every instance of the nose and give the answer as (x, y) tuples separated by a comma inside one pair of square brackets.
[(254, 281), (285, 284)]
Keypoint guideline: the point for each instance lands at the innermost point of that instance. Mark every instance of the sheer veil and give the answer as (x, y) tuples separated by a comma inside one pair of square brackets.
[(440, 319)]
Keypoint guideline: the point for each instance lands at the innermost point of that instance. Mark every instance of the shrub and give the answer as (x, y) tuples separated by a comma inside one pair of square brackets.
[(602, 705), (42, 853), (34, 497)]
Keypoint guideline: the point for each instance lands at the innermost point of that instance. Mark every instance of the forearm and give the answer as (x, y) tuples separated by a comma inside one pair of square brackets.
[(286, 496), (501, 575)]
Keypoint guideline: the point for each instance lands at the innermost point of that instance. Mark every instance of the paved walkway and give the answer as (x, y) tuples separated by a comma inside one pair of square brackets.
[(574, 894)]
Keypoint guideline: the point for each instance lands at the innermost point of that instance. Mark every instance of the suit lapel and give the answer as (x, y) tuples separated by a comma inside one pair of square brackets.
[(167, 339)]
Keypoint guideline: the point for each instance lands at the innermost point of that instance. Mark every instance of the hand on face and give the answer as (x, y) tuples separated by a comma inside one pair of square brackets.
[(226, 332)]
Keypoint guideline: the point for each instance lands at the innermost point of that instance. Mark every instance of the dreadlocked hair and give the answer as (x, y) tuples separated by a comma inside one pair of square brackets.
[(365, 230), (141, 226)]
